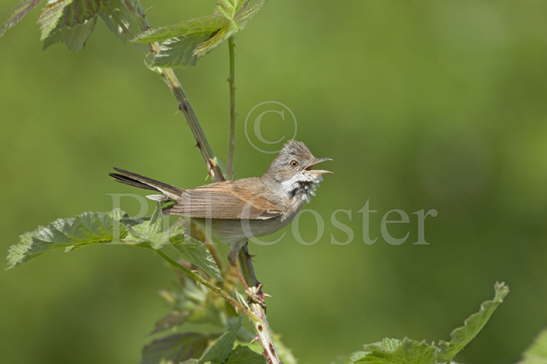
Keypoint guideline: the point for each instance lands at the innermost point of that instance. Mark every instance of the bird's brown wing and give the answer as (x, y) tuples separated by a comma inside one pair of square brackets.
[(241, 199)]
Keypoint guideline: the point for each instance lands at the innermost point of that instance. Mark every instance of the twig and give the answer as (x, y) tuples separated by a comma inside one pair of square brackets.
[(262, 327), (185, 107), (258, 306), (232, 87)]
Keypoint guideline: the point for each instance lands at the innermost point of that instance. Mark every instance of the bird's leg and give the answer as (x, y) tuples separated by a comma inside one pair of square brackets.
[(253, 286), (234, 271)]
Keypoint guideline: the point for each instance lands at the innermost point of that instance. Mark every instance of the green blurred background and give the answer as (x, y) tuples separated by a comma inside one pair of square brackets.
[(422, 104)]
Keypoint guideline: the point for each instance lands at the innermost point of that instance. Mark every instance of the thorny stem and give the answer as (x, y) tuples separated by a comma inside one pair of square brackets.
[(185, 107), (257, 311), (232, 87)]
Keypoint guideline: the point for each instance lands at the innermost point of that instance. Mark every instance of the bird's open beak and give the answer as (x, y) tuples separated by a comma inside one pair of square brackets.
[(317, 171)]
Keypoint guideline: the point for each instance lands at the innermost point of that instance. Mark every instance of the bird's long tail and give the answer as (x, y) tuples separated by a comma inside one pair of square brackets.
[(136, 180)]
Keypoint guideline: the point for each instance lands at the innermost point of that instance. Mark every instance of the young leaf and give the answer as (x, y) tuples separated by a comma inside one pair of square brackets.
[(155, 232), (18, 14), (177, 51), (172, 319), (120, 16), (205, 25), (394, 351), (190, 303), (74, 37), (196, 253), (86, 229), (175, 348), (461, 336), (537, 353), (184, 43), (244, 355), (73, 21)]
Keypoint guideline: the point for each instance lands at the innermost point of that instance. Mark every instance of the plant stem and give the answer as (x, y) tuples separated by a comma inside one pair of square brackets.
[(232, 88), (258, 306), (262, 327), (185, 107)]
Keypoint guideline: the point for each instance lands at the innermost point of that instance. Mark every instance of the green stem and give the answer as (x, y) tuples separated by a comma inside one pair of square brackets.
[(232, 88)]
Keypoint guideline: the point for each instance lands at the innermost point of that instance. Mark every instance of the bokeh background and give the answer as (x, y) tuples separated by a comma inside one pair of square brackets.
[(422, 104)]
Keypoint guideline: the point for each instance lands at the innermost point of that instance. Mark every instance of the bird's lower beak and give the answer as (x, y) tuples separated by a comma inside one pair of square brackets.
[(318, 171)]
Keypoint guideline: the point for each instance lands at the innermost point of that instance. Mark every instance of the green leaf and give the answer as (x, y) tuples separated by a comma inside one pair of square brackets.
[(74, 37), (537, 353), (175, 348), (244, 355), (184, 43), (120, 17), (190, 303), (197, 253), (171, 320), (220, 350), (205, 25), (73, 21), (61, 18), (18, 14), (86, 229), (461, 336), (155, 232), (176, 51), (394, 351)]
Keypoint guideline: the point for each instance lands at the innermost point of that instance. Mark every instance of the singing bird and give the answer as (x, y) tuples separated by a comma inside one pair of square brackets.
[(244, 208)]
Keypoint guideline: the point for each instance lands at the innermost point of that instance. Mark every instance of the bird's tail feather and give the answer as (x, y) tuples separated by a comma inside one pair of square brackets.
[(136, 180)]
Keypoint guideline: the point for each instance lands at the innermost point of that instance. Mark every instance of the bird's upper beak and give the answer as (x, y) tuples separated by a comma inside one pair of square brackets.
[(317, 171)]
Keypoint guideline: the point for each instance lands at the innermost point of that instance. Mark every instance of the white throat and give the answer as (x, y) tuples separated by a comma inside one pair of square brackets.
[(302, 185)]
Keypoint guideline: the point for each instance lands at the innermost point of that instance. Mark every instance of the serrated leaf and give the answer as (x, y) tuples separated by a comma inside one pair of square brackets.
[(191, 303), (73, 21), (171, 320), (202, 25), (177, 51), (220, 350), (119, 16), (537, 353), (394, 351), (85, 229), (50, 16), (74, 37), (155, 232), (18, 14), (184, 43), (197, 253), (175, 348), (461, 336), (244, 355)]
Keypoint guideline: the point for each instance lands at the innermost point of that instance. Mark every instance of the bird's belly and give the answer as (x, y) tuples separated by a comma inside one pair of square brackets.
[(230, 231)]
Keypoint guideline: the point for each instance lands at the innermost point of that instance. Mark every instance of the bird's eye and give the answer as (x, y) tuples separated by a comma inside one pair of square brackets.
[(294, 163)]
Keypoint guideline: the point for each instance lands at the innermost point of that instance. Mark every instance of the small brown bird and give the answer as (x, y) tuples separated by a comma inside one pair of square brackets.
[(238, 210)]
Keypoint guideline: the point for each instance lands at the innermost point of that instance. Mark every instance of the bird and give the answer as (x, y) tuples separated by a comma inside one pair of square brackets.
[(237, 210)]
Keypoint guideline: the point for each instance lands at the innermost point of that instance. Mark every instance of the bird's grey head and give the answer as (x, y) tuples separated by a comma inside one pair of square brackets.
[(292, 169)]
